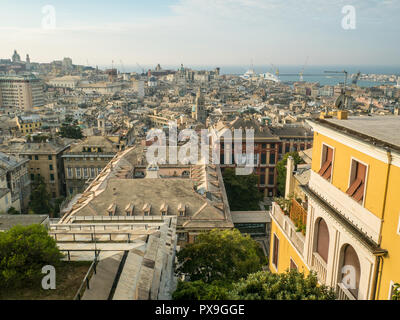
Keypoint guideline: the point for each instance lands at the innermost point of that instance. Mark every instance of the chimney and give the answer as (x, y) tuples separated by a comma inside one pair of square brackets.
[(289, 177), (342, 115)]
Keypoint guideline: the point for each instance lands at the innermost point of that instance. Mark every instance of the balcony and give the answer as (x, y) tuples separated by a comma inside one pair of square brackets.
[(298, 214), (355, 213), (319, 266), (283, 220), (343, 293)]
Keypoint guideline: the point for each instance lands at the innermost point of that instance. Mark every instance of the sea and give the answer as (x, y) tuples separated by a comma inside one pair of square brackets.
[(291, 73)]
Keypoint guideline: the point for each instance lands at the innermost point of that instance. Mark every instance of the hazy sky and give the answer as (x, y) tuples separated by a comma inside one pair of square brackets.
[(203, 32)]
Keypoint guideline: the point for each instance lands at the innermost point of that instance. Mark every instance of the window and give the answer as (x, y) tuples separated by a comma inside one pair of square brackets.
[(78, 173), (69, 172), (51, 177), (32, 177), (36, 157), (271, 178), (182, 236), (275, 253), (287, 148), (263, 158), (327, 162), (85, 172), (272, 158), (262, 179), (293, 265), (322, 247), (30, 157), (50, 158), (92, 172), (51, 167), (357, 181)]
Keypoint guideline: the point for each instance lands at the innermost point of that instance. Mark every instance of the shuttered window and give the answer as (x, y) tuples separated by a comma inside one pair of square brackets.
[(275, 254), (357, 186), (326, 168)]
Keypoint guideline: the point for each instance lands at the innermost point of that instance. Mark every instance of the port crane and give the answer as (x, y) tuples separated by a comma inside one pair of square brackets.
[(355, 79), (344, 99), (346, 75)]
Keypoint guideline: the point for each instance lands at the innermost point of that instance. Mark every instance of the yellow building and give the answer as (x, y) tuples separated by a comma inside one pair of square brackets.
[(29, 124), (352, 212)]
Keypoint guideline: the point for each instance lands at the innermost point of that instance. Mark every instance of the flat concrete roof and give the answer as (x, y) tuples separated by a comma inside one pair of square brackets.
[(9, 221), (384, 128), (250, 217)]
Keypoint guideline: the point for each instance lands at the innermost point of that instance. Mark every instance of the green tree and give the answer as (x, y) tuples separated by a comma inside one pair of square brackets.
[(242, 191), (40, 198), (396, 292), (13, 211), (217, 255), (198, 290), (281, 169), (24, 251), (287, 286), (70, 129)]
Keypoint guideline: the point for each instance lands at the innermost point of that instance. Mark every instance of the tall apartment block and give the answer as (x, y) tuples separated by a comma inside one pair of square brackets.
[(20, 94)]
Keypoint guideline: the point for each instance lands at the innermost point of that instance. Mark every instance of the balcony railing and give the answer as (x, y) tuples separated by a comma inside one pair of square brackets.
[(298, 215), (296, 238), (343, 293), (319, 266)]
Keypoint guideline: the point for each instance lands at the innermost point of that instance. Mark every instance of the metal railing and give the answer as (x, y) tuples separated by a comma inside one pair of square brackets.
[(296, 238), (100, 227), (319, 266), (117, 218), (86, 281), (124, 237), (343, 293)]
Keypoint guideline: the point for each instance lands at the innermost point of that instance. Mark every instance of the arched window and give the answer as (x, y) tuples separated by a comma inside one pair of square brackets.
[(185, 174), (322, 239), (351, 270)]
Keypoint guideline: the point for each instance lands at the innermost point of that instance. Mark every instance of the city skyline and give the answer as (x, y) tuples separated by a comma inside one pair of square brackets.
[(203, 32)]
